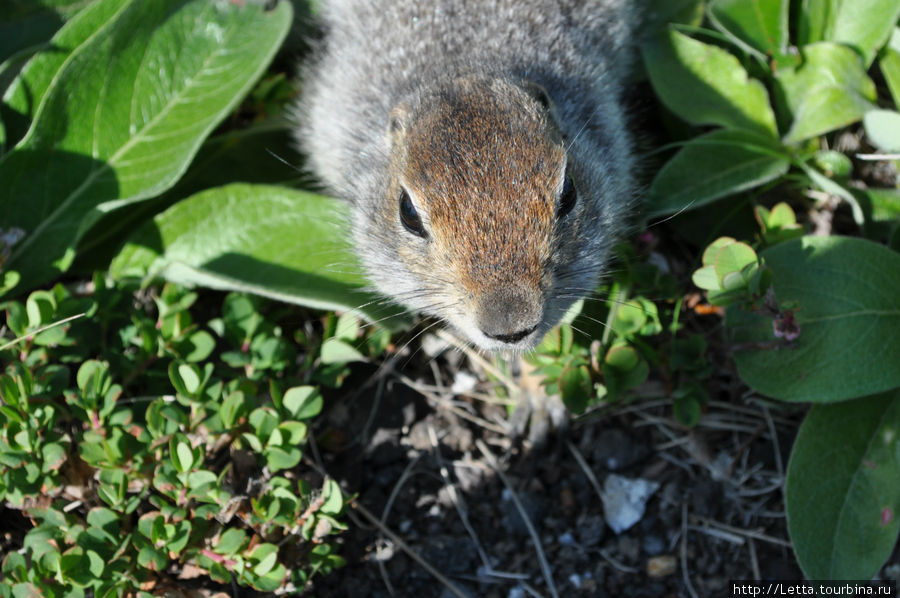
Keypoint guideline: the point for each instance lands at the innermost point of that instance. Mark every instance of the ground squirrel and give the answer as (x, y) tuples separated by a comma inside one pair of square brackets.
[(484, 149)]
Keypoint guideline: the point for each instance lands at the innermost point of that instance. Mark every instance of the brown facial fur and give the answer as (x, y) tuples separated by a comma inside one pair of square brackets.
[(487, 236)]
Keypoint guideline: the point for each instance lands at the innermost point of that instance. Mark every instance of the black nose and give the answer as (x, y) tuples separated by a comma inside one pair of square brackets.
[(509, 314), (511, 338)]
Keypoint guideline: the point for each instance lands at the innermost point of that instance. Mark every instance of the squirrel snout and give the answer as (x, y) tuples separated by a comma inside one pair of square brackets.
[(509, 314)]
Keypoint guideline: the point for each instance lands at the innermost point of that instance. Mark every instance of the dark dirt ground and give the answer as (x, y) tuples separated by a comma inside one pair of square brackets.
[(420, 455)]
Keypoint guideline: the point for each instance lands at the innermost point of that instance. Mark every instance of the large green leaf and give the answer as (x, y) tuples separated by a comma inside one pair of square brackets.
[(261, 153), (842, 490), (273, 241), (27, 29), (828, 90), (716, 165), (125, 112), (29, 23), (758, 25), (889, 65), (704, 84), (659, 14), (816, 20), (864, 25), (846, 298), (26, 94), (883, 129)]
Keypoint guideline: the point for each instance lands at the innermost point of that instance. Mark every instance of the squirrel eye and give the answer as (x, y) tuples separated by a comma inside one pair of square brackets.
[(409, 217), (567, 198)]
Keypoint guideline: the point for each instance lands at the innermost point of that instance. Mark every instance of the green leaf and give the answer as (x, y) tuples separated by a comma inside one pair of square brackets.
[(847, 297), (53, 455), (40, 307), (278, 458), (622, 357), (198, 346), (833, 163), (629, 318), (347, 328), (189, 376), (575, 386), (704, 84), (241, 316), (234, 406), (760, 26), (816, 20), (26, 590), (231, 541), (10, 278), (623, 369), (293, 432), (91, 377), (103, 518), (124, 114), (266, 562), (181, 453), (864, 25), (26, 94), (733, 258), (263, 420), (333, 498), (337, 351), (842, 489), (26, 26), (710, 253), (889, 65), (272, 580), (148, 522), (883, 129), (253, 441), (781, 215), (706, 279), (245, 238), (828, 90), (259, 153), (302, 402), (687, 410), (200, 478), (152, 558), (712, 166), (834, 188), (778, 224), (112, 485), (179, 539)]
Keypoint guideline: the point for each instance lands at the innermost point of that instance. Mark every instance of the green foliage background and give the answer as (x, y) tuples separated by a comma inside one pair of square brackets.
[(140, 139)]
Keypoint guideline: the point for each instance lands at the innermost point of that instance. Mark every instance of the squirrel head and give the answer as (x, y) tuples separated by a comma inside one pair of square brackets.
[(481, 212)]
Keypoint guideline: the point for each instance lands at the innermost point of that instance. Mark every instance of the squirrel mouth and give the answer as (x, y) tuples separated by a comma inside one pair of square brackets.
[(511, 338)]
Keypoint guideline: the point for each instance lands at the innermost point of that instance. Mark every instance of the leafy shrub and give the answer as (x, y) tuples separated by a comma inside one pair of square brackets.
[(148, 470), (101, 125), (131, 402), (810, 318)]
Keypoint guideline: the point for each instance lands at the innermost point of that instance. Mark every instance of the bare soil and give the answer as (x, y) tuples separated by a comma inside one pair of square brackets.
[(445, 479)]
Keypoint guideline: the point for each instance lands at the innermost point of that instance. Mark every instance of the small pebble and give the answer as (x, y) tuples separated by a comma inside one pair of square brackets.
[(661, 566)]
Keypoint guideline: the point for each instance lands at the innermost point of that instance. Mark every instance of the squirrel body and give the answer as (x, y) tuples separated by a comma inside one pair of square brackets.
[(484, 149)]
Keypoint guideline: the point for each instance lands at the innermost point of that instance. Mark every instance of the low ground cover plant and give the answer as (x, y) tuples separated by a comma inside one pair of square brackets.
[(145, 445)]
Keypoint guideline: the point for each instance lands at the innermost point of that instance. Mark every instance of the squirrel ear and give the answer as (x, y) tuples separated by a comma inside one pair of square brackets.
[(398, 119), (538, 93)]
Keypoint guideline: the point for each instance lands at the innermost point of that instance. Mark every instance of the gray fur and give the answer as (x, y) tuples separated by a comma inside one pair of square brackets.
[(378, 54)]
